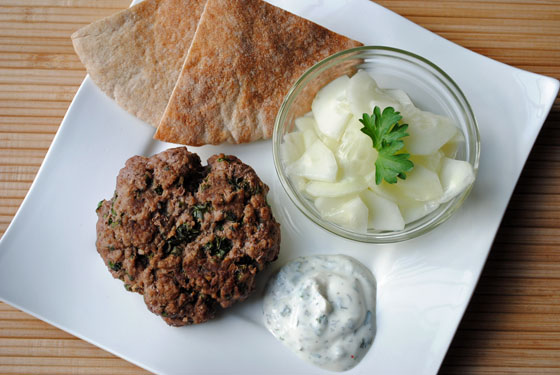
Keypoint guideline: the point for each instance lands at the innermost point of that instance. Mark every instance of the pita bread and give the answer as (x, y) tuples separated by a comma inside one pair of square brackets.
[(245, 56), (135, 56)]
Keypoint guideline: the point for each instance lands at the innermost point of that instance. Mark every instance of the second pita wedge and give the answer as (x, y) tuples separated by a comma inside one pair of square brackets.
[(135, 56), (245, 56)]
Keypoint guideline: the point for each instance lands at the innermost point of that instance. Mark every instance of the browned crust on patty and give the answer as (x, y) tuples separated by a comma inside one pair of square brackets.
[(245, 56), (190, 238)]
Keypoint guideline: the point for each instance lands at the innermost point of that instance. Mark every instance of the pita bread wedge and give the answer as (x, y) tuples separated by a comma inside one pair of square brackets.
[(135, 56), (245, 56)]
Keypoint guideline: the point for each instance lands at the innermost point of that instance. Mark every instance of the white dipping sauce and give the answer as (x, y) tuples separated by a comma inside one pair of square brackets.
[(323, 308)]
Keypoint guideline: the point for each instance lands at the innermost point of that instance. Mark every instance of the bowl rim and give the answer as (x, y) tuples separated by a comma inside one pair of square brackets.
[(446, 210)]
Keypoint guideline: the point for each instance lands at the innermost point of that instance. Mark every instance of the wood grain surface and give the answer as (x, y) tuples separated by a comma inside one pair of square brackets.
[(512, 325)]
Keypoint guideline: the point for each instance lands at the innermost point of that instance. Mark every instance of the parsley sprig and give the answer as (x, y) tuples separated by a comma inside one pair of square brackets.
[(386, 133)]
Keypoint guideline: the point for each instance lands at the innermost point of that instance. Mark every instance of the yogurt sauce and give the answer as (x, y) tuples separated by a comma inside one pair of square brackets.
[(323, 308)]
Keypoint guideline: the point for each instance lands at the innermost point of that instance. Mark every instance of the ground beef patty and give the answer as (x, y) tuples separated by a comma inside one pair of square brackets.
[(190, 238)]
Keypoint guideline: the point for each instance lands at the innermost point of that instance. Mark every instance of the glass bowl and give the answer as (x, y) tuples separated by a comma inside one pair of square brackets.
[(429, 87)]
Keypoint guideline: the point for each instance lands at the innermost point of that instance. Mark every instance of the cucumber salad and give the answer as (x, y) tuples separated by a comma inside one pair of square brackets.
[(369, 159)]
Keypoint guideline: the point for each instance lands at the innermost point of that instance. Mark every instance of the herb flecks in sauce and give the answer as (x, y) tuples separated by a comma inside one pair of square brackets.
[(322, 308)]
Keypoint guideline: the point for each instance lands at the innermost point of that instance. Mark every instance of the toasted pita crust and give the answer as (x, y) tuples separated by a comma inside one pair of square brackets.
[(135, 56), (245, 56)]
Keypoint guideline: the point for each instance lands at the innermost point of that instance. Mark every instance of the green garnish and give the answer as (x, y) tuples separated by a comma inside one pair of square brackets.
[(186, 233), (238, 183), (386, 133), (99, 204), (199, 210), (113, 223), (219, 247), (183, 235), (115, 266)]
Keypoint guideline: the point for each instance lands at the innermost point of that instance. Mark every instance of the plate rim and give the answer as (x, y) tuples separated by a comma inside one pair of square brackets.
[(64, 124)]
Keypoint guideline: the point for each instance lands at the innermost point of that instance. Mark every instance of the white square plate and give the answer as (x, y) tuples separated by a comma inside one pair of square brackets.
[(49, 266)]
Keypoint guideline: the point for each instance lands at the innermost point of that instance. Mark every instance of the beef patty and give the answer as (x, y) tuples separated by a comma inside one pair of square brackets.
[(190, 238)]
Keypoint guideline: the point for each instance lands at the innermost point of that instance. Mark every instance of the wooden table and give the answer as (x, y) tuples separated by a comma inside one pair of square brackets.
[(512, 324)]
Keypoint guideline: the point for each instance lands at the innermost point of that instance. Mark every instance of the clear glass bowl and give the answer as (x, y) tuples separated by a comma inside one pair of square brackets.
[(429, 87)]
